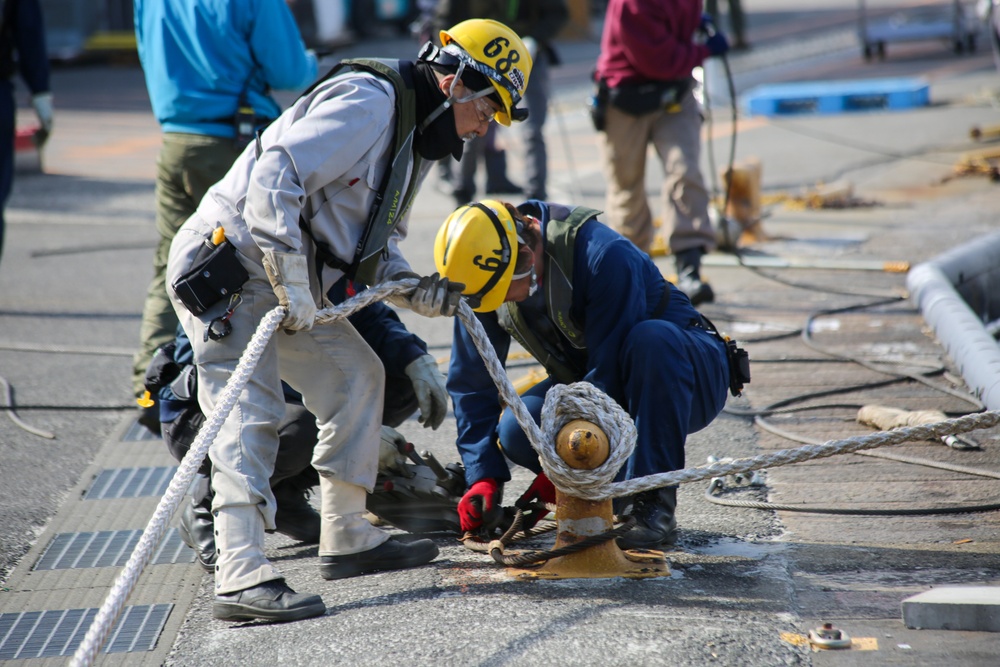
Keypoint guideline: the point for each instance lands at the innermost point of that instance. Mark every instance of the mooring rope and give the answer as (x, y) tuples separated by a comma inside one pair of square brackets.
[(97, 634), (154, 531), (563, 403)]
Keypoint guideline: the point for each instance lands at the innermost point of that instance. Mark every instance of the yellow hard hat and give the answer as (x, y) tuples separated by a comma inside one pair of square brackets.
[(496, 52), (477, 245)]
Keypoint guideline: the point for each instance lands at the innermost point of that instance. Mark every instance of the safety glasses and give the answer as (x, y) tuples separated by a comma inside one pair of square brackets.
[(485, 111)]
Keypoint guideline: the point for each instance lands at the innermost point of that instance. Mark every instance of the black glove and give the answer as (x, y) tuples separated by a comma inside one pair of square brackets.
[(162, 369), (434, 296)]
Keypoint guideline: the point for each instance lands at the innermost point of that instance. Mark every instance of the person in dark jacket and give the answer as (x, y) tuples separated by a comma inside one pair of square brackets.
[(537, 22), (611, 320), (412, 381), (22, 51)]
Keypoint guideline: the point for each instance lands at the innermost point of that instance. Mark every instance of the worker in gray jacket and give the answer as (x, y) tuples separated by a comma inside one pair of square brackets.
[(323, 194)]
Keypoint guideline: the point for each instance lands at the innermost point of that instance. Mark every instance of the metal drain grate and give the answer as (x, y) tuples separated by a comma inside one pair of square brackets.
[(108, 548), (44, 634), (130, 482), (136, 432)]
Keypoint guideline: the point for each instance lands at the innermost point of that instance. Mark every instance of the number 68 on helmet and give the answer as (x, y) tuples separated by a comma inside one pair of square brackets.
[(496, 52)]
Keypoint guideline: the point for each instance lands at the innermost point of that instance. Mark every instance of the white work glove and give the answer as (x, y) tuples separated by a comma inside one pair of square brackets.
[(434, 296), (43, 108), (428, 385), (289, 276), (390, 453)]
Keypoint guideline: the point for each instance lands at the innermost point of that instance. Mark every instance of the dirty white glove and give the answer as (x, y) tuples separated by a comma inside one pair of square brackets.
[(434, 296), (390, 453), (43, 108), (428, 385), (289, 276)]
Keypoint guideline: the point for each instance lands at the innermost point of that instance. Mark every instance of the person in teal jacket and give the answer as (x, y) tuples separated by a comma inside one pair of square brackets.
[(589, 306), (210, 66)]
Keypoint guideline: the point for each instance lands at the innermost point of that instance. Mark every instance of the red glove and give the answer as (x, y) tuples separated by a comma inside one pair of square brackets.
[(540, 491), (481, 505)]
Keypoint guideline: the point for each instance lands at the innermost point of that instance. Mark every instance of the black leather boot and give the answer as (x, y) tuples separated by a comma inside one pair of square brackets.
[(271, 601), (294, 516), (390, 555), (197, 529), (655, 527), (689, 280)]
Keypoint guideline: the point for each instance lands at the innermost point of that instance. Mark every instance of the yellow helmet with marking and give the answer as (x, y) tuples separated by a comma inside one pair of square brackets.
[(477, 246), (496, 52)]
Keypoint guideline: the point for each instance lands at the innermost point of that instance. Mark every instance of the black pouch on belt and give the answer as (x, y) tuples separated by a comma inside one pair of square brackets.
[(739, 366), (215, 274), (638, 99), (738, 358), (598, 106)]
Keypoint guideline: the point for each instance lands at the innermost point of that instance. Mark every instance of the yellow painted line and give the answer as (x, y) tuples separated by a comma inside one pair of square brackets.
[(111, 41)]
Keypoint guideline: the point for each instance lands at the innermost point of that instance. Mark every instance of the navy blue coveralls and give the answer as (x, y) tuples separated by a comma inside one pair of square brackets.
[(667, 371)]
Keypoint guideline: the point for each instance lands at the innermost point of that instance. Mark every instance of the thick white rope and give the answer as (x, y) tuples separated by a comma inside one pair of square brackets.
[(581, 400), (113, 604)]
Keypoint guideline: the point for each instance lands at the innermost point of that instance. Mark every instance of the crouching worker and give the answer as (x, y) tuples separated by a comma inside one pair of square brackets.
[(412, 381), (323, 192), (588, 305)]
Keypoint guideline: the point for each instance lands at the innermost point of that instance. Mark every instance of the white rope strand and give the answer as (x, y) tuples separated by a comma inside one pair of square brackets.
[(582, 400), (113, 604), (499, 375), (797, 455)]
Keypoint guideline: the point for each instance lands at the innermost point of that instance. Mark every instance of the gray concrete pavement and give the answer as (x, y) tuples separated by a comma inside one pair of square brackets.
[(746, 584)]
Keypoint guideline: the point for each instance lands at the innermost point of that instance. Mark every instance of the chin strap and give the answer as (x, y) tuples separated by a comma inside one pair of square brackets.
[(431, 53)]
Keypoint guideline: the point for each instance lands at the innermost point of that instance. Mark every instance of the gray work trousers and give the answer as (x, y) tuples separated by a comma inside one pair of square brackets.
[(342, 382)]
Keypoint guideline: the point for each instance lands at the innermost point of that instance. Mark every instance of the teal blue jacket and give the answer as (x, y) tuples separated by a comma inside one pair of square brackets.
[(199, 55)]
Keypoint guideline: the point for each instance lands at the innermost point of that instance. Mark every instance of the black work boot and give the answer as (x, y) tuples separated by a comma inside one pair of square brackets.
[(294, 516), (270, 601), (688, 263), (655, 525), (390, 555), (197, 529)]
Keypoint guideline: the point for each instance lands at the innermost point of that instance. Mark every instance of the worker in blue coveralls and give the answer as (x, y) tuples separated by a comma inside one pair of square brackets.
[(590, 306)]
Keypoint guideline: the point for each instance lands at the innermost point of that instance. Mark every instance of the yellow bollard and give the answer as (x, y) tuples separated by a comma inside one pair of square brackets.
[(584, 446)]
